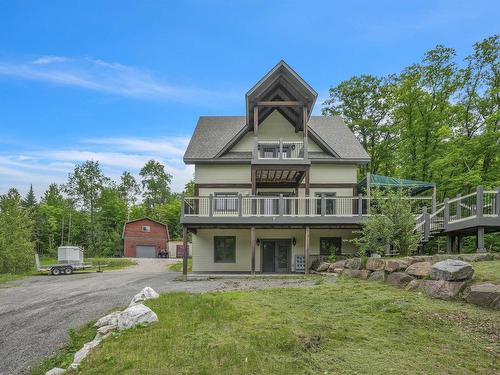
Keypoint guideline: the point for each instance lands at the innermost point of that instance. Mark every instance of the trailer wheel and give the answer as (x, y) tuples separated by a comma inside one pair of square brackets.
[(68, 270), (55, 271)]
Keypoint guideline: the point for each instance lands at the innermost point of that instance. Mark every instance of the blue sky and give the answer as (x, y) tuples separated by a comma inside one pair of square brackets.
[(125, 81)]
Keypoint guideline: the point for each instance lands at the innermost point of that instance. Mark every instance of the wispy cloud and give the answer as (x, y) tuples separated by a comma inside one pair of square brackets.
[(108, 77), (115, 155)]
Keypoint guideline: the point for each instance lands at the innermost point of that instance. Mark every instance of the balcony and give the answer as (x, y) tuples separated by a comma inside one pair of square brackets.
[(280, 151)]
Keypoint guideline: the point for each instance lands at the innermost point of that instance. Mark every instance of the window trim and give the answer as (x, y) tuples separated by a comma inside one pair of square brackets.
[(224, 261), (331, 238)]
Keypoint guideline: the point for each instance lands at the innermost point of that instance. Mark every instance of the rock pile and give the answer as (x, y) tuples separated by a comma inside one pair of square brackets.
[(134, 315), (434, 276)]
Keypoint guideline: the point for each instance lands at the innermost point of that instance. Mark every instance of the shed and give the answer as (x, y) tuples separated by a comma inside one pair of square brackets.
[(144, 238)]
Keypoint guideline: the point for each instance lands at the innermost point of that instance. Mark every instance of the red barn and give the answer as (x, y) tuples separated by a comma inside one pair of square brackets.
[(144, 238)]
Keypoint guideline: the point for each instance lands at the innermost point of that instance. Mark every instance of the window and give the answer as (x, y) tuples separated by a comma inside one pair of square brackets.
[(226, 202), (146, 228), (330, 246), (225, 249), (330, 203)]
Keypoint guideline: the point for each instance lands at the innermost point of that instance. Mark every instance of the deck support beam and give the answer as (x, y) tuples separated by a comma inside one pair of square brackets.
[(253, 241), (480, 240), (306, 250), (449, 243), (185, 254)]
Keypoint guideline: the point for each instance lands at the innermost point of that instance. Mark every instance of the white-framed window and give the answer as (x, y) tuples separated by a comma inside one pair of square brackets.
[(146, 228)]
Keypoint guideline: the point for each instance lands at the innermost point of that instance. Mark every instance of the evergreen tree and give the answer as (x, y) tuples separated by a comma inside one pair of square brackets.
[(29, 201)]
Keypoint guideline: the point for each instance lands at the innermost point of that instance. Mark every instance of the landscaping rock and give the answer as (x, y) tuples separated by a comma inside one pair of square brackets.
[(353, 263), (396, 265), (323, 267), (359, 274), (135, 315), (106, 329), (338, 270), (399, 279), (419, 269), (56, 371), (377, 276), (375, 264), (486, 295), (108, 320), (451, 270), (414, 284), (84, 352), (338, 264), (364, 274), (441, 288), (418, 258), (143, 295)]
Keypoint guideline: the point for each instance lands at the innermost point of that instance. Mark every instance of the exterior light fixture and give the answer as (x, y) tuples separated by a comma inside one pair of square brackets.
[(294, 241), (258, 242)]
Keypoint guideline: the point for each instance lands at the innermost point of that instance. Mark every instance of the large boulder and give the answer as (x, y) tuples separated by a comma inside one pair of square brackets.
[(108, 320), (486, 295), (135, 315), (338, 264), (353, 263), (377, 276), (56, 371), (143, 295), (441, 288), (414, 284), (375, 264), (419, 269), (338, 270), (399, 279), (451, 270), (396, 265), (360, 274), (323, 267)]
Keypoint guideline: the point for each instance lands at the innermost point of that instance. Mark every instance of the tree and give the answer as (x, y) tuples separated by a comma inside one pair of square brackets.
[(30, 201), (84, 186), (129, 188), (16, 232), (111, 216), (155, 183), (390, 223)]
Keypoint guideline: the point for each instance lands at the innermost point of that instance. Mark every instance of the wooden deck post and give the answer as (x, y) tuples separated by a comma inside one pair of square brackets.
[(449, 243), (253, 242), (434, 199), (306, 250), (210, 205), (360, 204), (480, 203), (497, 202), (446, 216), (185, 254), (480, 240), (323, 204), (458, 213), (427, 222)]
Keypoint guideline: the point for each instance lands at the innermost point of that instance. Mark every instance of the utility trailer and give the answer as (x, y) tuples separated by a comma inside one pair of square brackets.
[(69, 259)]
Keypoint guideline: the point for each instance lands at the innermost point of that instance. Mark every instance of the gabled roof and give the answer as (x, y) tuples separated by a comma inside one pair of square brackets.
[(145, 218), (215, 135)]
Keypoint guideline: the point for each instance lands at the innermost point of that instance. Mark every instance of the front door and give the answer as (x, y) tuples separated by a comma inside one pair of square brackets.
[(276, 256)]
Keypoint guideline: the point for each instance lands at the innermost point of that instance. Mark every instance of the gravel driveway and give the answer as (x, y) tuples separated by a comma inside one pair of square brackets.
[(36, 312)]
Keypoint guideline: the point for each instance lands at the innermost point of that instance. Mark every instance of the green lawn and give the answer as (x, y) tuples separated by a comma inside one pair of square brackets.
[(112, 264), (177, 267), (350, 327), (487, 271)]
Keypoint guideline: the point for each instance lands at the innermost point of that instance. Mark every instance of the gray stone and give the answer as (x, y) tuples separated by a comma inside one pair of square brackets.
[(56, 371), (396, 265), (399, 279), (486, 295), (375, 255), (419, 269), (377, 276), (108, 320), (135, 315), (375, 264), (84, 352), (353, 263), (359, 274), (144, 295), (451, 270), (338, 270), (323, 267), (418, 258), (441, 288), (414, 284), (338, 264), (105, 329)]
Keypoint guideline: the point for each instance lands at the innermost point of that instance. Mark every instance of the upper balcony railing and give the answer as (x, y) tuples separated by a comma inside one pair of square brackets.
[(280, 150)]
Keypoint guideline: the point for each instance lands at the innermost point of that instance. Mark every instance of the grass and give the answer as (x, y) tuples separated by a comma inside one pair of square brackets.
[(177, 267), (112, 264), (350, 327), (487, 271)]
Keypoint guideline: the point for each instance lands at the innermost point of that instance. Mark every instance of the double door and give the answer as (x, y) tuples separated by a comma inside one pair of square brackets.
[(276, 256)]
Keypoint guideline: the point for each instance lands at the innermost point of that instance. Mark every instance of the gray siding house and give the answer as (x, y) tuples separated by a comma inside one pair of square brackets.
[(276, 188)]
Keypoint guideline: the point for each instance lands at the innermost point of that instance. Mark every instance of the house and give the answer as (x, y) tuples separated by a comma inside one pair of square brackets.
[(276, 188), (144, 238)]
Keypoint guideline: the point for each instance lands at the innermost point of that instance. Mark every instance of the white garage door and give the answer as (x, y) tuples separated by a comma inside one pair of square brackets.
[(145, 252)]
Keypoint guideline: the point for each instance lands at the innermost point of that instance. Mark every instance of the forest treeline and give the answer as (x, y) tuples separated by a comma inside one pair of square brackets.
[(88, 210), (436, 120)]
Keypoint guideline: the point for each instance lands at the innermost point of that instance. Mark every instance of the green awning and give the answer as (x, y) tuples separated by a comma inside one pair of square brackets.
[(385, 182)]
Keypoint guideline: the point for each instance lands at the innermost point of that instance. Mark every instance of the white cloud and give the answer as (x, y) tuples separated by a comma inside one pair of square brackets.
[(111, 78)]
